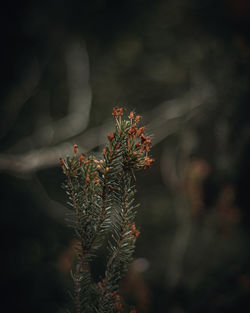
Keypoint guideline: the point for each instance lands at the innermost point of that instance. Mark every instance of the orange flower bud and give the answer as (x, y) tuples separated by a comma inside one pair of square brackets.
[(62, 162), (134, 231), (111, 136), (114, 112), (138, 118), (117, 112), (81, 159), (131, 115), (148, 162), (132, 131), (143, 138), (104, 151), (140, 131), (118, 297), (75, 148), (87, 179), (137, 233), (120, 111), (146, 148)]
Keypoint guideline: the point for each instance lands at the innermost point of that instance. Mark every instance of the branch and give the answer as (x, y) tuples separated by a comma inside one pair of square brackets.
[(164, 120)]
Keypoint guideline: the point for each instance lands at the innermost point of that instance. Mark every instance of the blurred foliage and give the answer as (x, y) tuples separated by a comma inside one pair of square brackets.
[(185, 66)]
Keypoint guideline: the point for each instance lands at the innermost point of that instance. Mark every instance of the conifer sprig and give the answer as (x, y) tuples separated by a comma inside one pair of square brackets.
[(101, 197)]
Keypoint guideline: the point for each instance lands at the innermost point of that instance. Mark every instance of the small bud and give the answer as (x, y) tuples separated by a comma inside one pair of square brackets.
[(107, 169), (114, 113), (138, 118), (146, 148), (62, 162), (87, 179), (131, 115), (120, 111), (132, 131), (135, 232), (81, 159), (104, 151), (75, 148), (117, 112), (140, 131), (111, 136), (143, 138), (148, 162)]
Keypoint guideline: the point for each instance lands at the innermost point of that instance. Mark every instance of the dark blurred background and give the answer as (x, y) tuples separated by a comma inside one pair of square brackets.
[(182, 64)]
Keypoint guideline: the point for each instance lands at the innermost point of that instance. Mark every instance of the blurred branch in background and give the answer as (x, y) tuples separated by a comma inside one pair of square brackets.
[(51, 135), (164, 120), (19, 94)]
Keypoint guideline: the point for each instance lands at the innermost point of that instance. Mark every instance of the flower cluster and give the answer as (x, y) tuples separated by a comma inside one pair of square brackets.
[(135, 232), (98, 189), (117, 300), (89, 165), (118, 112), (136, 145)]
